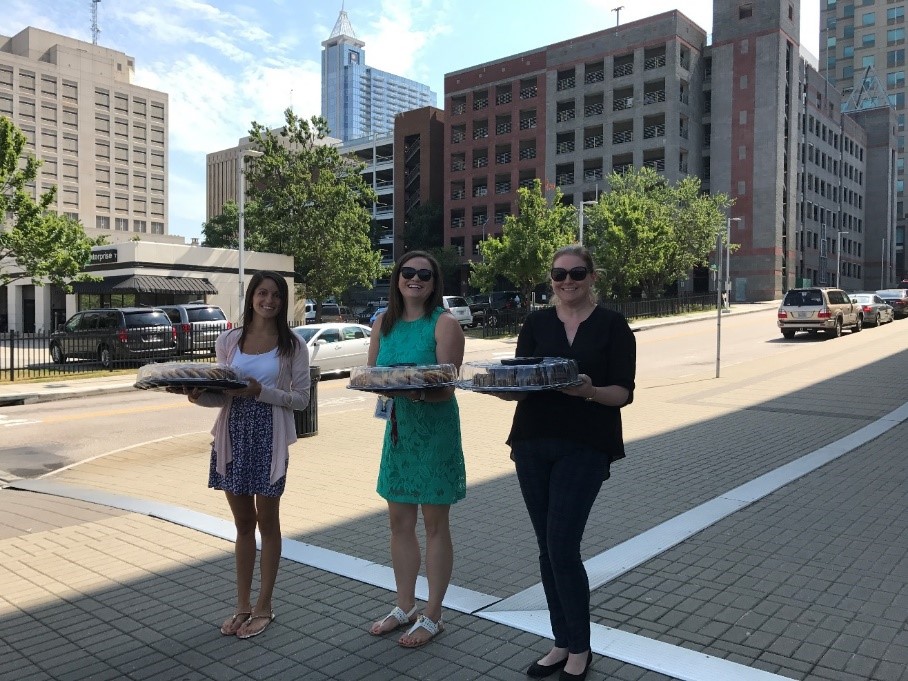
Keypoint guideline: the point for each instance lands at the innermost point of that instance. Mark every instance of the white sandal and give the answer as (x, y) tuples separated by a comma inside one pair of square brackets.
[(423, 622), (402, 618)]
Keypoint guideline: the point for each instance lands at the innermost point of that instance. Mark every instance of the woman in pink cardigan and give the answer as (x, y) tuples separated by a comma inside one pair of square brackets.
[(252, 434)]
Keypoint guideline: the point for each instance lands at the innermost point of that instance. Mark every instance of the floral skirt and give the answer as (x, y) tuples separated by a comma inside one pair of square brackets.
[(250, 427)]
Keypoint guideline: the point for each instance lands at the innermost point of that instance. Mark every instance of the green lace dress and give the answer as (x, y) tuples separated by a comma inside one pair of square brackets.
[(426, 465)]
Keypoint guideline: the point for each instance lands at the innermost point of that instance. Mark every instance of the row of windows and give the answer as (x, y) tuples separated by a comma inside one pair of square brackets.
[(121, 203), (50, 86), (140, 133), (140, 106), (122, 224), (829, 216)]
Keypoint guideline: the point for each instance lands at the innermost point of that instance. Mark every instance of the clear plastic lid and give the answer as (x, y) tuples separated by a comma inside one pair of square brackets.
[(403, 376), (519, 373), (175, 373)]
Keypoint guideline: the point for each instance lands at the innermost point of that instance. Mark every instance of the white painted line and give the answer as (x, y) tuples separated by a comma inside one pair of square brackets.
[(640, 651), (627, 555)]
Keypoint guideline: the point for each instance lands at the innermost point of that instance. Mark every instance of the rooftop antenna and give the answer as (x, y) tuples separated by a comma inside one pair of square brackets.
[(95, 30), (617, 11)]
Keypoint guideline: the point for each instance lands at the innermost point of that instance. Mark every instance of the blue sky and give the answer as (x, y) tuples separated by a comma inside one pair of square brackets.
[(226, 63)]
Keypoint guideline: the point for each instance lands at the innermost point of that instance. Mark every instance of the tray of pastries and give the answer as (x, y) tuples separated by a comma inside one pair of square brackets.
[(189, 375), (399, 377), (520, 374)]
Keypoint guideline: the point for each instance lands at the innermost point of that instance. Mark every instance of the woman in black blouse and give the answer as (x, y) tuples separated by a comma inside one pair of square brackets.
[(564, 441)]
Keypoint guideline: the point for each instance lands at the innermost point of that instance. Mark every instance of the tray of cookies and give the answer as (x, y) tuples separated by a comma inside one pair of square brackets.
[(399, 377), (201, 375), (520, 374)]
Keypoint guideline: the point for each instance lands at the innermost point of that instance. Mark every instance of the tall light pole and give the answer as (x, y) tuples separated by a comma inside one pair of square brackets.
[(838, 257), (728, 222), (882, 262), (580, 219), (241, 226)]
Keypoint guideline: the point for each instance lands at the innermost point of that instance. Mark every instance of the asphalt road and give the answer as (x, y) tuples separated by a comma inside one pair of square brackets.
[(38, 438)]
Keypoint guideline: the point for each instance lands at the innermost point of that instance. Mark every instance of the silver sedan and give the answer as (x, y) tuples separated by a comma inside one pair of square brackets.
[(876, 310), (335, 347)]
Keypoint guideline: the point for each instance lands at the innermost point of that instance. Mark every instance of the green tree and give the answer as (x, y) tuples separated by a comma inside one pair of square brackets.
[(523, 254), (424, 228), (222, 230), (312, 204), (646, 233), (45, 246)]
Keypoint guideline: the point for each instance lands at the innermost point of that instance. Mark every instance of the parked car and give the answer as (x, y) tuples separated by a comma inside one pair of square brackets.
[(375, 314), (335, 347), (365, 315), (478, 305), (114, 334), (876, 310), (898, 298), (816, 309), (903, 284), (489, 307), (458, 307), (198, 326)]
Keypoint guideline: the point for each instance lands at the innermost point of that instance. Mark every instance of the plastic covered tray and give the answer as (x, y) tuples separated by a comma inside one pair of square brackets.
[(399, 377), (520, 374), (189, 375)]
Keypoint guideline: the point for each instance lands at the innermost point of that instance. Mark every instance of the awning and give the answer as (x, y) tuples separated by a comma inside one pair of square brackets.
[(145, 283)]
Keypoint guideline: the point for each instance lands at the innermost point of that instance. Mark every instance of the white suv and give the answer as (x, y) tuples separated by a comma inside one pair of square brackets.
[(460, 308)]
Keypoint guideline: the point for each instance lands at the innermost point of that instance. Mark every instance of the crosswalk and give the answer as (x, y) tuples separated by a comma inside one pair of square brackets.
[(9, 422)]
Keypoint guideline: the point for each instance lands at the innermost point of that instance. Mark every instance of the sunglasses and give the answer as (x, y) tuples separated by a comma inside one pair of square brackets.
[(575, 273), (409, 272)]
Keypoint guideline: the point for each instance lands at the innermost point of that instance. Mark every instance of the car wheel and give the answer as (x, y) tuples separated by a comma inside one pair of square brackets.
[(835, 331), (104, 356), (858, 325), (492, 320), (56, 354), (877, 320), (813, 332), (788, 333)]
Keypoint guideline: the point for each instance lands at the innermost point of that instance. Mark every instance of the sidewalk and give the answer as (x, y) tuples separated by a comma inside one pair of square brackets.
[(756, 531)]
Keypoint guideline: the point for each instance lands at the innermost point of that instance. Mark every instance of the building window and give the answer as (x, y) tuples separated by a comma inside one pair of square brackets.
[(103, 221), (868, 60), (868, 19), (868, 40), (895, 36), (139, 226), (745, 11), (157, 227), (895, 58), (121, 224)]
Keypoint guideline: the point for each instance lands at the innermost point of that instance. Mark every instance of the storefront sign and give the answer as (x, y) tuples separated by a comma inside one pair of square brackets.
[(108, 255)]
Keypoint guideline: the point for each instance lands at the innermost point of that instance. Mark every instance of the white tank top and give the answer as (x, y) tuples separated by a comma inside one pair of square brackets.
[(264, 367)]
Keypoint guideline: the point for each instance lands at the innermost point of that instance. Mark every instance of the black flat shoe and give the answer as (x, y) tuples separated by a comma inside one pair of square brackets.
[(567, 676), (540, 671)]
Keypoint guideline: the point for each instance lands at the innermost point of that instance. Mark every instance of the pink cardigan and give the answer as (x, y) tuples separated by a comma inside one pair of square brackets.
[(291, 393)]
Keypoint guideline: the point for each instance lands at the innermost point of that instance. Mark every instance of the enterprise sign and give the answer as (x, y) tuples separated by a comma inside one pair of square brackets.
[(108, 255)]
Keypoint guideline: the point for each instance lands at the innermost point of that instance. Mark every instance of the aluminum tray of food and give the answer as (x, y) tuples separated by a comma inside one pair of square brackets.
[(399, 377), (199, 375), (520, 374)]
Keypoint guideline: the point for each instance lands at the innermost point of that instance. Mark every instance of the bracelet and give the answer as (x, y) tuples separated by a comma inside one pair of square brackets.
[(592, 398)]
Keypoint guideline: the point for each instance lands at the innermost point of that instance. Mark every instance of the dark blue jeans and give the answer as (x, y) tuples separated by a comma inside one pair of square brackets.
[(560, 480)]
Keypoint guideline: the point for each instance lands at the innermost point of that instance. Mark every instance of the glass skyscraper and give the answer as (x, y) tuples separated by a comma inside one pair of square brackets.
[(358, 100)]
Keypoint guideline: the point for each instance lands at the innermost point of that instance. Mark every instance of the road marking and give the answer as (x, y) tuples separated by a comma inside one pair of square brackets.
[(117, 412), (8, 422)]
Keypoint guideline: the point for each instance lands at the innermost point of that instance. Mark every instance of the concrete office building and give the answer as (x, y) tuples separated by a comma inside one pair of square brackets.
[(103, 143), (357, 100), (738, 112), (861, 42)]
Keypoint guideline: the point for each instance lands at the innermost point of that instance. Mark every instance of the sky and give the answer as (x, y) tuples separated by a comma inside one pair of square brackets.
[(226, 63)]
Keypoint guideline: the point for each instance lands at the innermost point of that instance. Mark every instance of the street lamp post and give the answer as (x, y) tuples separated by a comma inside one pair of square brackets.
[(727, 280), (580, 219), (241, 226), (722, 281), (838, 257)]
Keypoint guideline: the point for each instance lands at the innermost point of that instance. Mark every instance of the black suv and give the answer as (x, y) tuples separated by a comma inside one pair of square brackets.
[(115, 334), (490, 308), (197, 325)]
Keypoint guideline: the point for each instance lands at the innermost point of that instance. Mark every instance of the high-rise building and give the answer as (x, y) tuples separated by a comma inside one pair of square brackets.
[(747, 113), (862, 53), (358, 100), (101, 138)]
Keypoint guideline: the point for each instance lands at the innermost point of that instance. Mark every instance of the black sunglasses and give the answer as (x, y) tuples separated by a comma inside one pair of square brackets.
[(575, 273), (409, 272)]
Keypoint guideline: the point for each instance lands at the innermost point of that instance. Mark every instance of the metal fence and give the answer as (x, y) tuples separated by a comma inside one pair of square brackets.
[(29, 355)]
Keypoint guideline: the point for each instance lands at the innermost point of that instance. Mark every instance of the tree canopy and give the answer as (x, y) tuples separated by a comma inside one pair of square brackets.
[(523, 254), (309, 202), (647, 233), (45, 246)]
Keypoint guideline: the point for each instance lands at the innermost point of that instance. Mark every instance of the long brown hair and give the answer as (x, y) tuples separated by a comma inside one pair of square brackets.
[(396, 300), (287, 341)]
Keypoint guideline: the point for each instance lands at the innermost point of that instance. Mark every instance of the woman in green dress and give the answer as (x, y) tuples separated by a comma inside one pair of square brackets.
[(422, 458)]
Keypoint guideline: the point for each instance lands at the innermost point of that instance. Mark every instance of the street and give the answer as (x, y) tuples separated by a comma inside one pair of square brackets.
[(43, 437)]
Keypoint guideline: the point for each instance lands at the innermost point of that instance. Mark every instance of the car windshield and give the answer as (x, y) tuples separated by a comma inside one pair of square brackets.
[(306, 332), (457, 302), (146, 319), (803, 299), (205, 314)]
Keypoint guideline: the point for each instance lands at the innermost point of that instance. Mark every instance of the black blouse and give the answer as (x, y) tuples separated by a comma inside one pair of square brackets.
[(605, 349)]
